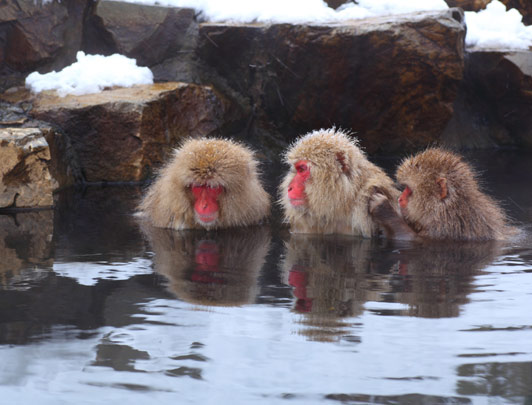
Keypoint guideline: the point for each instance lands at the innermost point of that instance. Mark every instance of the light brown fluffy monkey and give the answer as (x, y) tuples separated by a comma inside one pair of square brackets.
[(329, 184), (441, 200), (209, 183)]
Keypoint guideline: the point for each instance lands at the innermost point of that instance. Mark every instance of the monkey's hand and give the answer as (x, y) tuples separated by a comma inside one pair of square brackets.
[(392, 224), (379, 205)]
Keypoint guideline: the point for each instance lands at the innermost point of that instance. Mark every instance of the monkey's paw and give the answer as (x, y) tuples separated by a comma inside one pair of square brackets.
[(377, 202)]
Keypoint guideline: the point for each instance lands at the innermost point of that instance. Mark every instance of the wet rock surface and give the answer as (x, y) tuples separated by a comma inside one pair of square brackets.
[(25, 175), (38, 36), (123, 134), (162, 38), (493, 103), (391, 81)]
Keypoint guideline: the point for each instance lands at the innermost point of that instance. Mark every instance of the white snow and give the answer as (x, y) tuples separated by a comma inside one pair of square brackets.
[(91, 74), (497, 28)]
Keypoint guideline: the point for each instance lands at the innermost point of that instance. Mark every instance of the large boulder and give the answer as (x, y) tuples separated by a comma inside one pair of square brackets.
[(26, 178), (161, 38), (122, 134), (493, 104), (36, 35), (391, 80)]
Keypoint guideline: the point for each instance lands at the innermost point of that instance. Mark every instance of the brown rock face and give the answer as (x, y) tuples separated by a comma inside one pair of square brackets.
[(122, 134), (25, 175), (391, 80), (493, 103), (37, 36), (159, 37)]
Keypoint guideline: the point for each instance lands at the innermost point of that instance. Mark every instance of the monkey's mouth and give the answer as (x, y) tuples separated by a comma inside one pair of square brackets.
[(207, 218), (296, 202)]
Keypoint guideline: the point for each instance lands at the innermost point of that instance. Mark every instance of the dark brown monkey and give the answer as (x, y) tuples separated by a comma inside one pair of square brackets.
[(441, 200), (329, 184), (209, 183)]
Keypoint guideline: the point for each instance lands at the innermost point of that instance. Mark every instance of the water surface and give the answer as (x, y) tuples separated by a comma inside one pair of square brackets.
[(96, 307)]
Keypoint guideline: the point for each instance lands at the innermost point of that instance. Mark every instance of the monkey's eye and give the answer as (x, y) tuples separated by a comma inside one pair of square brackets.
[(301, 167), (407, 191)]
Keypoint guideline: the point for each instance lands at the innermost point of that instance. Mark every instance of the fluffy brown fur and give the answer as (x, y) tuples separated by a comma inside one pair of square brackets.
[(460, 212), (341, 182), (214, 162)]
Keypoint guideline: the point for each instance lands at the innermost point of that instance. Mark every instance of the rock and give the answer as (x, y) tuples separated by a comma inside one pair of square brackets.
[(493, 103), (25, 173), (38, 36), (391, 80), (122, 134), (336, 3), (468, 5), (25, 243), (161, 38)]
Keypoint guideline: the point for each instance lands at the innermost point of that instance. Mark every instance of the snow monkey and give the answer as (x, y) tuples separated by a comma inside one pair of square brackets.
[(329, 184), (209, 183), (441, 200)]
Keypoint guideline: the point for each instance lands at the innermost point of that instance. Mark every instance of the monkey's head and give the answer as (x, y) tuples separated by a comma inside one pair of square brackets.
[(435, 183), (214, 174), (322, 166)]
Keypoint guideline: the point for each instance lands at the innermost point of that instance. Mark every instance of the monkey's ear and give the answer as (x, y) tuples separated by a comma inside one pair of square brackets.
[(341, 158), (442, 182)]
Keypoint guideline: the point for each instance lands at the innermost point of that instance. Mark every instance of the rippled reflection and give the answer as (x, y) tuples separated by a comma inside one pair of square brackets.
[(435, 279), (93, 307), (332, 277), (210, 268)]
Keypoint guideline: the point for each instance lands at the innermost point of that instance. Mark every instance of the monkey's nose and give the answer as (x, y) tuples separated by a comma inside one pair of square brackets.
[(289, 188)]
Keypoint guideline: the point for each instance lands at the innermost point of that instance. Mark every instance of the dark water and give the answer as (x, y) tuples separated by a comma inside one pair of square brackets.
[(96, 309)]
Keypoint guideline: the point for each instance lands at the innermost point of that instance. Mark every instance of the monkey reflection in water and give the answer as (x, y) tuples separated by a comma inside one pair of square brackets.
[(213, 269), (435, 279), (332, 277)]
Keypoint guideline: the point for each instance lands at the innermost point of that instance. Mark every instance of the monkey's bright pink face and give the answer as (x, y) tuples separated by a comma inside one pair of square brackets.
[(206, 205), (404, 198), (296, 188)]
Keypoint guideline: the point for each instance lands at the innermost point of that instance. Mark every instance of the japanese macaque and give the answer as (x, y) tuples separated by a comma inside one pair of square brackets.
[(441, 200), (329, 185), (213, 269), (209, 183)]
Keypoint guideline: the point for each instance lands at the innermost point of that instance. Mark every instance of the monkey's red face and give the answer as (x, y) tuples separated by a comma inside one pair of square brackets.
[(206, 203), (404, 197), (296, 188)]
